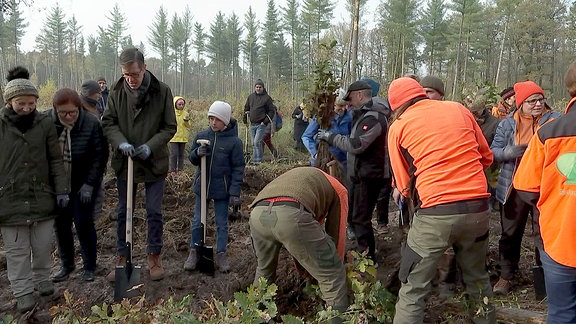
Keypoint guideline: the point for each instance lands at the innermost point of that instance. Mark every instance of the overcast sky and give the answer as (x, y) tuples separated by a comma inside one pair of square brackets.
[(140, 13)]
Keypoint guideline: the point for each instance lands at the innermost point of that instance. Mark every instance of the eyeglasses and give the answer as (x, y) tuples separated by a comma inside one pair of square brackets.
[(72, 113), (532, 102), (131, 74)]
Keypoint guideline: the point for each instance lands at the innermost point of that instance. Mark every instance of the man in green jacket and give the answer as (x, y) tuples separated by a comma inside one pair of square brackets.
[(139, 121)]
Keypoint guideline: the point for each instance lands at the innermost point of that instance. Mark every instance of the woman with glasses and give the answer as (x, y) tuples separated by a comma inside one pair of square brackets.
[(84, 153), (510, 141)]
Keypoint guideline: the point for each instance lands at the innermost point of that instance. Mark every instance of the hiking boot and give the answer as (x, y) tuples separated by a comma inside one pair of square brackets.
[(502, 287), (121, 261), (89, 275), (222, 261), (25, 303), (192, 260), (62, 274), (155, 267), (46, 288)]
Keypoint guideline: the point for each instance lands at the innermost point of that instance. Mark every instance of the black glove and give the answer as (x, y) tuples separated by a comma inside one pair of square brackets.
[(323, 134), (514, 151), (62, 200), (142, 152), (203, 150), (86, 193), (126, 149), (234, 201)]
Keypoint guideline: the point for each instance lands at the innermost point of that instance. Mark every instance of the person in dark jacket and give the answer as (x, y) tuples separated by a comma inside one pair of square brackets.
[(85, 154), (104, 92), (259, 111), (367, 160), (224, 173), (32, 186), (300, 123), (139, 121)]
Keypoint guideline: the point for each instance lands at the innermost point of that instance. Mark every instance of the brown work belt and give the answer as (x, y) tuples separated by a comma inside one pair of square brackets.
[(460, 207)]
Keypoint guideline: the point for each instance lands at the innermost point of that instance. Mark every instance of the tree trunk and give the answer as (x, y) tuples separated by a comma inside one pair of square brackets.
[(501, 53)]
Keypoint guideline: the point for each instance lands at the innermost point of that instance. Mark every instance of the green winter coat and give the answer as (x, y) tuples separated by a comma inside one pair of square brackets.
[(31, 171), (154, 124)]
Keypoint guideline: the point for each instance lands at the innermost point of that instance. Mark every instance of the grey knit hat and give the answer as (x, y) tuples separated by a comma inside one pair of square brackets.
[(18, 88), (89, 87)]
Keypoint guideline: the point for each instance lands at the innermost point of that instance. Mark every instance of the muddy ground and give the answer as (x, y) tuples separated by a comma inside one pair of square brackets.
[(178, 206)]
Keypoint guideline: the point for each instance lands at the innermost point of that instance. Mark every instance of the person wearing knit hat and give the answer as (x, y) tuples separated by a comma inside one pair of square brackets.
[(545, 176), (438, 163), (506, 103), (103, 91), (259, 111), (26, 212), (225, 157), (510, 142), (91, 96), (433, 86), (367, 161)]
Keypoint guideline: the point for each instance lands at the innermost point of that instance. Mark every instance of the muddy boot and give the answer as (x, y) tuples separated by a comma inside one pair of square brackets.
[(25, 303), (155, 267), (222, 261), (192, 260), (121, 261)]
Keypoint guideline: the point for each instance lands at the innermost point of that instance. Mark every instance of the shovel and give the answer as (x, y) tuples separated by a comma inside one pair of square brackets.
[(205, 253), (128, 277), (247, 156)]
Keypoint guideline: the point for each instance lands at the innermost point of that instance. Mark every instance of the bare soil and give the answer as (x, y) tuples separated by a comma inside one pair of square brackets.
[(178, 208)]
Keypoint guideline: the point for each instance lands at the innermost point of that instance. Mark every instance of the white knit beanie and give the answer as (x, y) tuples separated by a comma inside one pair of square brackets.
[(220, 110)]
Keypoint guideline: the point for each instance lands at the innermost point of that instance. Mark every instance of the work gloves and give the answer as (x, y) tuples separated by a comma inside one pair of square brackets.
[(323, 135), (126, 149), (234, 201), (62, 200), (514, 151), (86, 193), (142, 152), (203, 150)]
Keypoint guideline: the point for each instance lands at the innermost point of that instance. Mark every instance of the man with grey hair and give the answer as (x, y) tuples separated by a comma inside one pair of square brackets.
[(139, 122)]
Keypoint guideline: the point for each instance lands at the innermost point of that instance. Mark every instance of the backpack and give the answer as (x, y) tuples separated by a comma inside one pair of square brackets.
[(278, 120)]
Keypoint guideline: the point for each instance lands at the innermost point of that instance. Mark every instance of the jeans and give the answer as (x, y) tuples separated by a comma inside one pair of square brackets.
[(561, 290), (81, 215), (177, 156), (154, 196), (257, 132), (221, 219)]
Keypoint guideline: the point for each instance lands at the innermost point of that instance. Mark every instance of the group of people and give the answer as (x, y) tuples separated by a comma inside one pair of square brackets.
[(427, 153)]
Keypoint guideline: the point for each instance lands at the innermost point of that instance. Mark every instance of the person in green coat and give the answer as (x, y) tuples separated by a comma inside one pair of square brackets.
[(139, 121), (32, 185)]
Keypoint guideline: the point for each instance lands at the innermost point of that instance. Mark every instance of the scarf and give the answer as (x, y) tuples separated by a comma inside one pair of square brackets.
[(66, 147), (136, 97), (22, 122)]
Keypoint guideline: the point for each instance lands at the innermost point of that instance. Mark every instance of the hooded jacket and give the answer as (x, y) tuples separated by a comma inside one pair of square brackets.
[(183, 126), (31, 171), (546, 178), (225, 164), (153, 124), (505, 136)]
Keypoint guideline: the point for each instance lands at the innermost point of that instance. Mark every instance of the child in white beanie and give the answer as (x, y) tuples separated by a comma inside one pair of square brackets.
[(225, 171)]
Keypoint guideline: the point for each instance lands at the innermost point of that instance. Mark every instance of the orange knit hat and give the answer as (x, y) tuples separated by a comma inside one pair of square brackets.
[(526, 89), (403, 90)]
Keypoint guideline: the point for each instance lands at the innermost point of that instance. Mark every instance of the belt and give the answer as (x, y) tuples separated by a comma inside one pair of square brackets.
[(459, 207), (281, 201)]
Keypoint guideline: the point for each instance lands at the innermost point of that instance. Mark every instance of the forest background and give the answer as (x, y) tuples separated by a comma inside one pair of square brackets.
[(467, 43)]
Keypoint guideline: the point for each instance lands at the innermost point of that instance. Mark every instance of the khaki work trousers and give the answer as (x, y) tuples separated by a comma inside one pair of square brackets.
[(428, 238), (272, 227), (28, 255)]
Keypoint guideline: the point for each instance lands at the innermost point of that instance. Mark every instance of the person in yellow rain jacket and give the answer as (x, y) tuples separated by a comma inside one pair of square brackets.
[(178, 142)]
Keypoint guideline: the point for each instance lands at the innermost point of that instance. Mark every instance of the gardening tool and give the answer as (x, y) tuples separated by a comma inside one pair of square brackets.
[(128, 277), (205, 253)]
